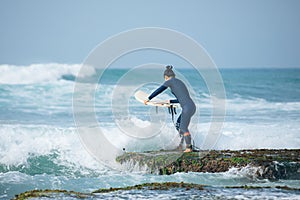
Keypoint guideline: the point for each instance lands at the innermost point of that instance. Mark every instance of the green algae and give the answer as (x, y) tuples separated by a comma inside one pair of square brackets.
[(145, 186), (50, 194), (170, 162), (155, 186)]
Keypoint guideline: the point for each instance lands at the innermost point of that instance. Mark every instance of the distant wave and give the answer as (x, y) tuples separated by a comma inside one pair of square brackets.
[(38, 73)]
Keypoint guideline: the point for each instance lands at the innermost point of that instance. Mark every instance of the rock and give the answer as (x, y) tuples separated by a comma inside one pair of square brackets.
[(155, 186), (271, 164), (53, 194), (63, 194)]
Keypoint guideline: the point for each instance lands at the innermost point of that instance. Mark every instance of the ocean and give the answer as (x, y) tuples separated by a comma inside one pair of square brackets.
[(40, 147)]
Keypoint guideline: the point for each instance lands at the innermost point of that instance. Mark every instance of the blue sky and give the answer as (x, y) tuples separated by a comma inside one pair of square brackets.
[(241, 33)]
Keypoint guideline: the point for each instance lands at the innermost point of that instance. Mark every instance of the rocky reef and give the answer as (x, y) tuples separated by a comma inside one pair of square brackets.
[(63, 194), (58, 194), (51, 194), (272, 164)]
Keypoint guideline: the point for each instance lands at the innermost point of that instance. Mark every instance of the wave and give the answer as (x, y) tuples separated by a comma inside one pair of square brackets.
[(23, 146), (38, 73), (38, 149)]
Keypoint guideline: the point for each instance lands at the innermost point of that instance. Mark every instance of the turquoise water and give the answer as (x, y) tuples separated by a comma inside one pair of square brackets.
[(40, 147)]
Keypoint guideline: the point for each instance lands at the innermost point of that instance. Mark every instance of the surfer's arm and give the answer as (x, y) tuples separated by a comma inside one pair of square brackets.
[(157, 92)]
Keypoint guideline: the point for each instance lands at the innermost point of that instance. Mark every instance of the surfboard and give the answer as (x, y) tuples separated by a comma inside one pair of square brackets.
[(141, 96)]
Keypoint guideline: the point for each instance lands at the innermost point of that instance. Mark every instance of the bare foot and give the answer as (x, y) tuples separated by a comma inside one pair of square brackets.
[(188, 150)]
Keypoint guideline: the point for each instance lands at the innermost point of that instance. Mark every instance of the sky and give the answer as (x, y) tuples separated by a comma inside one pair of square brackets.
[(235, 33)]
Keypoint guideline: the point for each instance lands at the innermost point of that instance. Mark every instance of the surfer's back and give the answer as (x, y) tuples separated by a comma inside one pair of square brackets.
[(179, 89)]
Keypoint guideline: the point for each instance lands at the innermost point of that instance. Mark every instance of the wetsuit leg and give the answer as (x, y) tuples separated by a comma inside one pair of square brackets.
[(177, 125), (188, 139), (186, 115), (187, 112)]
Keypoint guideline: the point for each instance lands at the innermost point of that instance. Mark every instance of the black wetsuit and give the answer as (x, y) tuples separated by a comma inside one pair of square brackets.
[(182, 95)]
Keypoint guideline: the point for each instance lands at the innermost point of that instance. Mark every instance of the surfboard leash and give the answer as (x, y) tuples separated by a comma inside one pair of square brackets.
[(172, 111)]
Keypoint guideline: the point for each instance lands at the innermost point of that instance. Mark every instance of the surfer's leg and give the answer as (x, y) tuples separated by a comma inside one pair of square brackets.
[(177, 125), (184, 129), (187, 113), (188, 141)]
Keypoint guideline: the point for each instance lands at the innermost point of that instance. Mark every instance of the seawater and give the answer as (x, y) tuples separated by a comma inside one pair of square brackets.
[(40, 147)]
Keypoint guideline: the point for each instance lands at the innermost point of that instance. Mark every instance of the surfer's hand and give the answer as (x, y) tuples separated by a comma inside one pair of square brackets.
[(146, 102)]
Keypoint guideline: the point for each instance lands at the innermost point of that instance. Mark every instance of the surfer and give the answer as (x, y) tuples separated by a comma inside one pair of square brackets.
[(180, 91)]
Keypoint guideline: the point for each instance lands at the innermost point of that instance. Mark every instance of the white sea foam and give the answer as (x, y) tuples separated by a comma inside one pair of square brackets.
[(20, 142), (244, 135)]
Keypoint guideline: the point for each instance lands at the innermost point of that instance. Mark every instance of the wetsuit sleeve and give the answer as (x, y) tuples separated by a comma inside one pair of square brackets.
[(174, 101), (157, 92)]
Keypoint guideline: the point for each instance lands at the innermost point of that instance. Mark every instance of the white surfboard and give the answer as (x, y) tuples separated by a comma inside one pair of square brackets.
[(141, 96)]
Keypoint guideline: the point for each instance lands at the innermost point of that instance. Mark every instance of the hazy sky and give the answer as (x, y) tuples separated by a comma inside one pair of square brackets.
[(241, 33)]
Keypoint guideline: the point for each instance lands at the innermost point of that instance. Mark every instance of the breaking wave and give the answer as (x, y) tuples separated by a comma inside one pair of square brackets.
[(38, 73)]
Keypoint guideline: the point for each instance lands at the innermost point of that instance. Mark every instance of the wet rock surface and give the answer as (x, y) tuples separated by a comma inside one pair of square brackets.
[(166, 186), (272, 164)]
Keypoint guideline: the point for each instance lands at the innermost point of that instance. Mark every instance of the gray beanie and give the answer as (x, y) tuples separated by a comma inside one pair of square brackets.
[(169, 72)]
